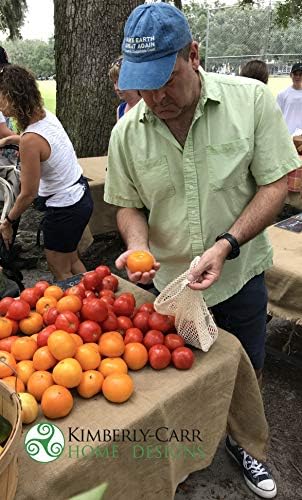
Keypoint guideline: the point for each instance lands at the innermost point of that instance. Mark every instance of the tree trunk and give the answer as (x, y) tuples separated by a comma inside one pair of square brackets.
[(88, 38)]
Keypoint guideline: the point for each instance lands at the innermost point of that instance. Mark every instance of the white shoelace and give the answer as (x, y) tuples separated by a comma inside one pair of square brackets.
[(256, 468)]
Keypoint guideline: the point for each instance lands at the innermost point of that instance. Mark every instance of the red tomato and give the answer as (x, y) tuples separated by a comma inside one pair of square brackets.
[(108, 300), (76, 290), (67, 321), (123, 306), (89, 294), (4, 304), (172, 341), (6, 344), (18, 309), (110, 283), (91, 280), (141, 321), (31, 296), (42, 285), (44, 334), (159, 356), (124, 323), (153, 337), (133, 335), (182, 358), (110, 324), (102, 271), (50, 316), (147, 307), (90, 331), (107, 293), (95, 310), (129, 296), (160, 322)]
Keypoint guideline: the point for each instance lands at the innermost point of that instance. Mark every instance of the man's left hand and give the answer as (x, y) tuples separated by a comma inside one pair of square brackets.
[(6, 231), (209, 267)]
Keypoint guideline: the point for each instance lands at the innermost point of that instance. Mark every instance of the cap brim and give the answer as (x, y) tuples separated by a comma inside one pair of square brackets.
[(148, 75)]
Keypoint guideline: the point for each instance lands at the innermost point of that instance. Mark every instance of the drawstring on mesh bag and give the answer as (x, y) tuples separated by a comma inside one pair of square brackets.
[(193, 320)]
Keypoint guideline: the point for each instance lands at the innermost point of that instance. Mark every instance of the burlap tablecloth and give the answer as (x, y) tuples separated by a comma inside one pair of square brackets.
[(284, 279), (220, 390)]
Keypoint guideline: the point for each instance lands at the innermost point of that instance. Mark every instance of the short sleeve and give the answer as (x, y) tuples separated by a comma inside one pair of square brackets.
[(120, 189), (274, 151), (2, 118)]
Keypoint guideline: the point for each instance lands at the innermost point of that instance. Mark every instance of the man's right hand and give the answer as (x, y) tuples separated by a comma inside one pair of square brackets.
[(144, 278)]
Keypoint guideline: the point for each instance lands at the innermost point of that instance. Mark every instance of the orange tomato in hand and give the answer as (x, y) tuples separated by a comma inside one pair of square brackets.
[(140, 261)]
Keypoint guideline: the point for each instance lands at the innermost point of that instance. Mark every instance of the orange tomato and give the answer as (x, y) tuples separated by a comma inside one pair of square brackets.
[(91, 383), (88, 357), (38, 382), (61, 344), (112, 365), (140, 261), (8, 358), (135, 355), (45, 303), (118, 387), (78, 340), (67, 373), (43, 359), (32, 324), (111, 344), (15, 383), (93, 345), (6, 327), (71, 303), (24, 370), (54, 291), (24, 348), (56, 402)]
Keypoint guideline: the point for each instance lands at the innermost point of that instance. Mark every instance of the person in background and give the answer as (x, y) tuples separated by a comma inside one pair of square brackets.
[(6, 157), (290, 100), (255, 69), (49, 166), (129, 98), (199, 169)]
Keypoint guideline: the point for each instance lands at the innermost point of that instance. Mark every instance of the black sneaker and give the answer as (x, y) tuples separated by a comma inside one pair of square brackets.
[(256, 474)]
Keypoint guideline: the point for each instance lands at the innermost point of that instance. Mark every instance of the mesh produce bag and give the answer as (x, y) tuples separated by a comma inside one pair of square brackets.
[(193, 320)]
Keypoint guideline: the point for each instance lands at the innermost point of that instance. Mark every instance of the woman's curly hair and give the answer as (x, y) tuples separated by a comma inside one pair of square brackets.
[(19, 87)]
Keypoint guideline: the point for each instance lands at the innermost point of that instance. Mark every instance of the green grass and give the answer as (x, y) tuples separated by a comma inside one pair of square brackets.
[(48, 91)]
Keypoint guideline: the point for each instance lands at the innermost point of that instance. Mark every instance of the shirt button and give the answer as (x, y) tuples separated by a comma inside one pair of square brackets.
[(191, 187)]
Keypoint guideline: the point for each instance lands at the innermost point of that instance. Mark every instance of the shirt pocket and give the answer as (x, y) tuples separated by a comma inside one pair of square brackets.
[(228, 164), (154, 180)]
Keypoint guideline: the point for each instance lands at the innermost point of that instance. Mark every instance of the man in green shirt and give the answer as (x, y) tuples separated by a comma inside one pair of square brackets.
[(199, 168)]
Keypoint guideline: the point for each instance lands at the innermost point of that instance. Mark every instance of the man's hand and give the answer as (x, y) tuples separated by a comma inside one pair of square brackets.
[(6, 231), (209, 267), (144, 278)]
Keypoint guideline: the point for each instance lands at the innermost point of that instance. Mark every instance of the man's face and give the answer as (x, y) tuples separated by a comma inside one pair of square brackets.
[(296, 77), (179, 93)]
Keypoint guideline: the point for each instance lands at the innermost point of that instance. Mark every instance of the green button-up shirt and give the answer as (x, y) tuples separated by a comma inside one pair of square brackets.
[(238, 140)]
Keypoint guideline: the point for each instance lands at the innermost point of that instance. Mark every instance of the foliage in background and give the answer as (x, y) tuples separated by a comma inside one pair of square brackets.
[(12, 14), (286, 10), (36, 55)]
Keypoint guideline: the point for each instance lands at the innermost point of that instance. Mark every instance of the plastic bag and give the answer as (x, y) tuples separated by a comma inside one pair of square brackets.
[(193, 320)]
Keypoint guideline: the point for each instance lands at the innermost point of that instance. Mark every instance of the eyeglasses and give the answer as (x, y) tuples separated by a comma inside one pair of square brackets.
[(117, 62)]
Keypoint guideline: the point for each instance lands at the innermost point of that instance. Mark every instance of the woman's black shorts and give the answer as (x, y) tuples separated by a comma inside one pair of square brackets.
[(63, 227)]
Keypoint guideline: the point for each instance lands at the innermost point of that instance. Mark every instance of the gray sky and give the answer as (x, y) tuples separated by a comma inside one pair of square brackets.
[(39, 20)]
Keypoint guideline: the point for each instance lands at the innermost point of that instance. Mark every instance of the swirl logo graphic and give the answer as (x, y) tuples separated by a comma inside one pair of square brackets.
[(44, 442)]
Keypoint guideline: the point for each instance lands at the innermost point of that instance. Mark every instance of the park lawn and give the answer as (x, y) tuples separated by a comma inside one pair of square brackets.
[(48, 91)]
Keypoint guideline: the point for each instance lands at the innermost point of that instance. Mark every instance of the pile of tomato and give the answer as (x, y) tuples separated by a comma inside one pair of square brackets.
[(84, 338)]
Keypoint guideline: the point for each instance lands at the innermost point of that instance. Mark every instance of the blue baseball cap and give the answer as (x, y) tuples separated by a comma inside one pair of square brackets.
[(153, 35)]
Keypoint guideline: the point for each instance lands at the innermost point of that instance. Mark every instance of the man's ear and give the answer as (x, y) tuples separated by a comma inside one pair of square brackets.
[(194, 56)]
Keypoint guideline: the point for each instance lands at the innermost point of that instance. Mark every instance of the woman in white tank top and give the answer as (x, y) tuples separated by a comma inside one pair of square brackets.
[(50, 168)]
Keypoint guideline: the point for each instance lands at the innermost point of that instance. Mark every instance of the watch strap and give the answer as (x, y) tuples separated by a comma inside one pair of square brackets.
[(233, 242)]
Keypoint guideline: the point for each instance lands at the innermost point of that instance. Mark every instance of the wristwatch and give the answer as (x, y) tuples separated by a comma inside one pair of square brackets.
[(233, 242), (9, 219)]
